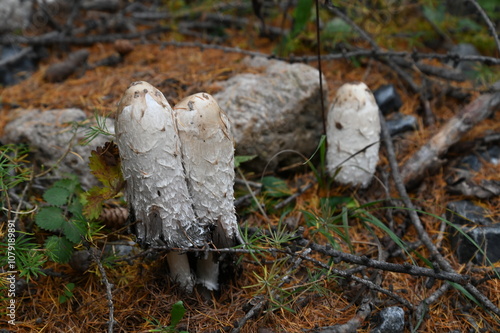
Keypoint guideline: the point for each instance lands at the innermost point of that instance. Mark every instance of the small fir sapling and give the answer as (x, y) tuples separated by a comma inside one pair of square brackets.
[(156, 189), (208, 158), (353, 134)]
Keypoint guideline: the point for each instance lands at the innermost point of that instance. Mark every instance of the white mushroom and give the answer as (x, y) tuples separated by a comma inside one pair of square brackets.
[(156, 188), (353, 135), (208, 158)]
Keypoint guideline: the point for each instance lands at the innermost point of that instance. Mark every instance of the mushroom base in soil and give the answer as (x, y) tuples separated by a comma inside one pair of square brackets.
[(353, 135), (178, 168)]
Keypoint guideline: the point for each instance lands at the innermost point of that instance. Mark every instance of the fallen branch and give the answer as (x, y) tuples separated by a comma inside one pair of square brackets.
[(339, 256), (415, 220), (428, 156), (59, 38), (349, 276), (260, 303), (486, 19), (109, 286)]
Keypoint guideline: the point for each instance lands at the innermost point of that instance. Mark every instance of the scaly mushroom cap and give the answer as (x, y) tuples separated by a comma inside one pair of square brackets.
[(353, 134), (208, 157), (157, 193)]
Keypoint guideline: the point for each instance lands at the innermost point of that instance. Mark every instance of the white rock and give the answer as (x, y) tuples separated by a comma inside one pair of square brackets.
[(14, 14), (353, 134), (277, 110), (49, 135)]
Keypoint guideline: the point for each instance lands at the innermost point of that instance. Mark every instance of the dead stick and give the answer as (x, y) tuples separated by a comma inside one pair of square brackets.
[(423, 235), (428, 156), (109, 286)]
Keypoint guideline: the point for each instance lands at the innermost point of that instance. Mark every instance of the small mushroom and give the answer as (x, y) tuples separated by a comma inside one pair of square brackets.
[(156, 189), (208, 156), (353, 135)]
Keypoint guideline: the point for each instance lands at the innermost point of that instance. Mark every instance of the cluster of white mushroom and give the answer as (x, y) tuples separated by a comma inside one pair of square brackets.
[(178, 167)]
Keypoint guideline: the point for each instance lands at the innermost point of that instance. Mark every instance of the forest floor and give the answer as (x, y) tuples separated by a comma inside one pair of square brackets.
[(311, 298)]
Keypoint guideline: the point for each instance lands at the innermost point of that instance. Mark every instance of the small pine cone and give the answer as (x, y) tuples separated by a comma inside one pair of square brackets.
[(114, 217)]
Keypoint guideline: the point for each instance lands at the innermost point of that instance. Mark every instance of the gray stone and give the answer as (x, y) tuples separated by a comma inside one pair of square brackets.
[(460, 175), (392, 320), (475, 222), (49, 135), (14, 14), (492, 155), (388, 99), (400, 123), (275, 111)]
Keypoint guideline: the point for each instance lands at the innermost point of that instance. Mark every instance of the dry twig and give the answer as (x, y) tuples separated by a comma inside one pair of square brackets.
[(428, 156), (423, 235), (486, 19), (109, 286)]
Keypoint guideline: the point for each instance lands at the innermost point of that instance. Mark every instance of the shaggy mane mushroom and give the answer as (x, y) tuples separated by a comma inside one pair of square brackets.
[(353, 134), (179, 172)]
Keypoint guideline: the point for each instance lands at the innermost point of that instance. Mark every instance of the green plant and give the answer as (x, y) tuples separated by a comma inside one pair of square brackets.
[(105, 165), (301, 16), (67, 294), (99, 129), (64, 217), (333, 222), (176, 315), (29, 258), (14, 170)]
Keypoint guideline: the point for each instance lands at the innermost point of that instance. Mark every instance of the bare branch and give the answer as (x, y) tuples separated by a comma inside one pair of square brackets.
[(109, 286), (423, 235), (489, 23), (428, 156)]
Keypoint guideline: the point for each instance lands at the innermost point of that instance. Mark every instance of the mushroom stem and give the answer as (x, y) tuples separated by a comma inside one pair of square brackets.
[(180, 271), (207, 271)]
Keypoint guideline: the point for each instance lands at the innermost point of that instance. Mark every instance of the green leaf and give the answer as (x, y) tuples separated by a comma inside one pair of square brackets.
[(74, 231), (68, 293), (50, 218), (69, 183), (75, 207), (59, 249), (56, 196), (94, 199), (275, 187), (435, 15), (105, 165), (301, 15), (333, 202), (68, 290), (177, 313), (466, 293), (242, 159)]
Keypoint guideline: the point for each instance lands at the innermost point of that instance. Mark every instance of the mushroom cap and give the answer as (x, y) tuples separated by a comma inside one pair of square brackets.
[(209, 116), (156, 188), (353, 134), (208, 158)]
